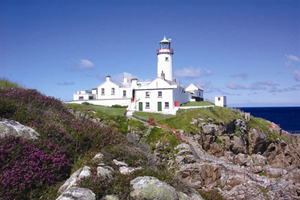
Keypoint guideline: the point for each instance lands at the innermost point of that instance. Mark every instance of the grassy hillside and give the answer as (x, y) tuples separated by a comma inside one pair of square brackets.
[(35, 169)]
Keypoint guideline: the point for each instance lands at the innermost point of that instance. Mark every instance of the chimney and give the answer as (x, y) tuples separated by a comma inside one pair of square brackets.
[(162, 75), (108, 77), (125, 79), (174, 79), (134, 82)]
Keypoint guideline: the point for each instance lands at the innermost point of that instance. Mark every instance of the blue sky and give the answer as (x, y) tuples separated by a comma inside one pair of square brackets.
[(245, 49)]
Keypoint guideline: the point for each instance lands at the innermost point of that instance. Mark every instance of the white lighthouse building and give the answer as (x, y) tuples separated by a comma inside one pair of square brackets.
[(164, 60), (161, 95)]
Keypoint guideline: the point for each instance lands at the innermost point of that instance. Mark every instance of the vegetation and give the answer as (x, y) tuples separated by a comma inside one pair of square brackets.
[(198, 103), (146, 115), (210, 195)]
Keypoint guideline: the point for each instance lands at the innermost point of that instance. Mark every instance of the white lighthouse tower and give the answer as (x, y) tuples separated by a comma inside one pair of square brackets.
[(164, 60)]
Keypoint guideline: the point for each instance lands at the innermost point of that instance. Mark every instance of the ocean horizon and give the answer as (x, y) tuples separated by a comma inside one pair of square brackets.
[(287, 117)]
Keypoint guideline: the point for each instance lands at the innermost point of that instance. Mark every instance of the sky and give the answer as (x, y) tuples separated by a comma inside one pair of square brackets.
[(247, 50)]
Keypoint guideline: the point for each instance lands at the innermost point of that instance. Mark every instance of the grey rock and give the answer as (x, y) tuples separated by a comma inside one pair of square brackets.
[(148, 187), (71, 182), (101, 171), (183, 196), (10, 127), (98, 157), (86, 172), (128, 170), (119, 163), (77, 193), (240, 124), (110, 197), (238, 146)]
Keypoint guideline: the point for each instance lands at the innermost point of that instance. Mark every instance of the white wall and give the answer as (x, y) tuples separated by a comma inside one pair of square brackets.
[(105, 102), (165, 66), (220, 101)]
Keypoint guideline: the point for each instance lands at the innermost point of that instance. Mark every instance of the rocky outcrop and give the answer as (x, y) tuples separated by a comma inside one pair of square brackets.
[(199, 175), (258, 141), (147, 187), (10, 127), (77, 193)]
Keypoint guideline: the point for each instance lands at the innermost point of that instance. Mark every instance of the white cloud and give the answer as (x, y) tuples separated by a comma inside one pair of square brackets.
[(119, 78), (293, 58), (66, 83), (189, 72), (85, 64), (243, 76), (296, 75), (82, 64)]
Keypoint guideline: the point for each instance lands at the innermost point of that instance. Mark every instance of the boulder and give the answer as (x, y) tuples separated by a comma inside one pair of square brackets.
[(241, 125), (274, 172), (238, 145), (110, 197), (77, 193), (71, 182), (86, 172), (98, 157), (258, 141), (11, 127), (101, 171), (148, 187), (128, 170)]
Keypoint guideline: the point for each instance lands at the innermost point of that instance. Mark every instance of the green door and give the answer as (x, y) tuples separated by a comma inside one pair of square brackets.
[(140, 106), (159, 106)]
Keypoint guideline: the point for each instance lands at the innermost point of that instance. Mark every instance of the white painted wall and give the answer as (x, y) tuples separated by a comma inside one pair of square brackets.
[(220, 101), (105, 102), (165, 64)]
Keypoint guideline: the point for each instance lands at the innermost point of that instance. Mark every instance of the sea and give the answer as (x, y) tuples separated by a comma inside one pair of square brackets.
[(287, 117)]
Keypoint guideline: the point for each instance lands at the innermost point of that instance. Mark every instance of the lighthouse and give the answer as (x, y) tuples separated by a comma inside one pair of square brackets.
[(164, 60)]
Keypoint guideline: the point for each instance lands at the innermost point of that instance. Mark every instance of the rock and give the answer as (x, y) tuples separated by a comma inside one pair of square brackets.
[(209, 129), (85, 172), (182, 146), (274, 172), (77, 193), (238, 145), (98, 157), (101, 171), (128, 170), (210, 119), (72, 181), (198, 175), (258, 141), (192, 123), (183, 196), (256, 169), (241, 125), (10, 127), (119, 163), (241, 159), (110, 197), (148, 187), (133, 137)]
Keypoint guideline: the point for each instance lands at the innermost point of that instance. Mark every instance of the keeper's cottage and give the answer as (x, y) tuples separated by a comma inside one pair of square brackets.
[(161, 95)]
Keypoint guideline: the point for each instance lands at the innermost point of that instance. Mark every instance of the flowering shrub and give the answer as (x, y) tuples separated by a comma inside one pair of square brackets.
[(29, 164)]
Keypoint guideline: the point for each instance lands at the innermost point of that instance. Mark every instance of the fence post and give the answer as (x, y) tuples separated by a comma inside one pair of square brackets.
[(205, 158), (244, 173), (231, 171)]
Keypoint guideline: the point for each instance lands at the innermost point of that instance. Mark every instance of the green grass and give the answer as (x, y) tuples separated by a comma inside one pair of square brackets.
[(183, 118), (147, 115), (109, 110), (198, 103), (4, 83)]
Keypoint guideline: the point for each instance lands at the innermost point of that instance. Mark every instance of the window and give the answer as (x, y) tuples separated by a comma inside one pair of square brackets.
[(166, 104), (113, 91), (159, 94), (219, 98), (147, 94), (147, 105), (124, 93), (167, 59), (91, 97), (102, 91), (80, 98)]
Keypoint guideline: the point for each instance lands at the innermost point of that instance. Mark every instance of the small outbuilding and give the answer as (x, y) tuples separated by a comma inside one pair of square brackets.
[(221, 101)]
